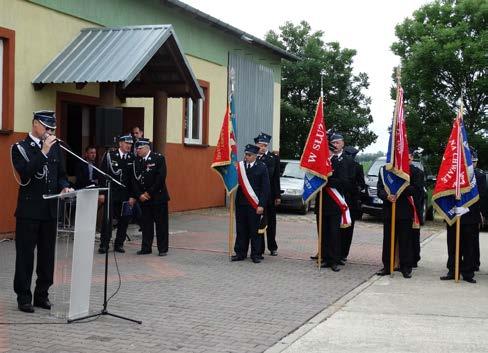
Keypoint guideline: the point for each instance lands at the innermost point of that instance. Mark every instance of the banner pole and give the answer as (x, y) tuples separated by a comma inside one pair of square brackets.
[(319, 258), (392, 238), (231, 223), (456, 260)]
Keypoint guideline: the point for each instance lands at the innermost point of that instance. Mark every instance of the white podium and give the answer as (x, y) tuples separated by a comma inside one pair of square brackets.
[(70, 293)]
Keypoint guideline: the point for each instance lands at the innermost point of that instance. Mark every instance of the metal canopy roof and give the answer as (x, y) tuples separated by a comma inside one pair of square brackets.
[(140, 59)]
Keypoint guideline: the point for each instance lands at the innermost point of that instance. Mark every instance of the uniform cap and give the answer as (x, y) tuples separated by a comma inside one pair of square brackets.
[(46, 118), (262, 138), (142, 142), (335, 137), (253, 149), (126, 138)]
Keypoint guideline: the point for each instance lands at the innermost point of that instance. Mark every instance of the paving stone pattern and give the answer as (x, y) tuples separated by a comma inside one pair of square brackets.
[(195, 300)]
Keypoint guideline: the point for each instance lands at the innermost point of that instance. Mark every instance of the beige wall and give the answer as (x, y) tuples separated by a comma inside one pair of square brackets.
[(40, 34), (216, 75)]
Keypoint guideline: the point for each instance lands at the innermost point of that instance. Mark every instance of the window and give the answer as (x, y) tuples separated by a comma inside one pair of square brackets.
[(193, 121), (195, 118), (7, 50)]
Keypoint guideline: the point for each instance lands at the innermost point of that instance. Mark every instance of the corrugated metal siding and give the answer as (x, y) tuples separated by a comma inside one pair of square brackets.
[(253, 93)]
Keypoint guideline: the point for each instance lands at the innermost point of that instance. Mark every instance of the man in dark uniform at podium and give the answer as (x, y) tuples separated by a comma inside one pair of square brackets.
[(118, 164), (39, 162), (272, 162), (251, 198), (148, 180)]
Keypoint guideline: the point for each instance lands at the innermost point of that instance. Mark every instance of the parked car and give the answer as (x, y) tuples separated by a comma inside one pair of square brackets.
[(291, 181), (373, 205)]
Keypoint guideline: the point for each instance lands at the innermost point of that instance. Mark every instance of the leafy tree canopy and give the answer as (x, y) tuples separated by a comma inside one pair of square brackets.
[(346, 108), (444, 57)]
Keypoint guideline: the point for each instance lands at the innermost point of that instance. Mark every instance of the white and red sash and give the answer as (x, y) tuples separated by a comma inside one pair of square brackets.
[(246, 185), (341, 202), (416, 221)]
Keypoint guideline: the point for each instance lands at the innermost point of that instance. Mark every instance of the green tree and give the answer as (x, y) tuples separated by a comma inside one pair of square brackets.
[(346, 108), (444, 56)]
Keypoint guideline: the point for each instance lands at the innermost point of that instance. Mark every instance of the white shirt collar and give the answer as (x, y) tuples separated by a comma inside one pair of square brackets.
[(251, 164), (147, 155), (35, 139), (121, 153)]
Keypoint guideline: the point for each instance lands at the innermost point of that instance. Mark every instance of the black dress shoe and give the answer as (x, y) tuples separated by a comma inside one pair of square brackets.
[(341, 263), (447, 277), (344, 259), (315, 257), (143, 252), (236, 258), (476, 268), (119, 249), (162, 253), (407, 274), (43, 303), (335, 268), (261, 257), (469, 280), (256, 260), (26, 308), (102, 250), (383, 272), (273, 253)]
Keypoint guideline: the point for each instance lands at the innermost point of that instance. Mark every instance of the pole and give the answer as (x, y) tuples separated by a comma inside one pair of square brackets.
[(231, 223), (456, 260), (319, 258), (392, 238)]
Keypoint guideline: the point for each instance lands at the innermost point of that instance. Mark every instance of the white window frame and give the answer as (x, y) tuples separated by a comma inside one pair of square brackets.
[(2, 44), (189, 127)]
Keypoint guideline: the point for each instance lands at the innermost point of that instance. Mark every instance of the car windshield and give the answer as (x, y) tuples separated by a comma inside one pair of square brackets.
[(374, 170), (292, 170)]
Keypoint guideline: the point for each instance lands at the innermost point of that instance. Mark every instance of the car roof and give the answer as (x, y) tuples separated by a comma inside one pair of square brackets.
[(290, 161)]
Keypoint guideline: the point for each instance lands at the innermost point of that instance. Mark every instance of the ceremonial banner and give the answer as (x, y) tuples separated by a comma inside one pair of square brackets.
[(455, 188), (315, 157), (396, 176), (225, 156)]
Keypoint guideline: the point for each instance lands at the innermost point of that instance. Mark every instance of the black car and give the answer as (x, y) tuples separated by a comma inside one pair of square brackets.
[(373, 205)]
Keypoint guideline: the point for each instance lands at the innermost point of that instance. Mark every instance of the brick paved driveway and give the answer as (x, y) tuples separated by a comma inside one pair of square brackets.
[(195, 300)]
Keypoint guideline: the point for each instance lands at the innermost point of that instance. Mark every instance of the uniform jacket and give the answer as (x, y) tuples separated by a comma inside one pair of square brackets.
[(417, 180), (42, 175), (272, 162), (259, 180), (474, 214), (120, 170), (82, 176), (341, 179), (150, 176), (404, 210)]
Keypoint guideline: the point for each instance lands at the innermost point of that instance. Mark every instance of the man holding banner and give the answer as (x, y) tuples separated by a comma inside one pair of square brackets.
[(456, 198), (251, 198), (395, 189)]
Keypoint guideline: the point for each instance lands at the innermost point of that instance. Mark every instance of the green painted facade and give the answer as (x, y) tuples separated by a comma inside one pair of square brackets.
[(196, 38)]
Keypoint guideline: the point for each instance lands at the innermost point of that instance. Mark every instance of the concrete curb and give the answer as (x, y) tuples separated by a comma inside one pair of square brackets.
[(294, 336)]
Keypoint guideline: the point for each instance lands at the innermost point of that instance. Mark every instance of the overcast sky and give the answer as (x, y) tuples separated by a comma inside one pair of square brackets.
[(364, 25)]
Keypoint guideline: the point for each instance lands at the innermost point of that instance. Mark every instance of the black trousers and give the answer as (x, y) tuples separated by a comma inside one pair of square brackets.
[(403, 237), (247, 223), (122, 225), (270, 214), (30, 234), (416, 245), (476, 248), (331, 242), (346, 239), (155, 214), (466, 249)]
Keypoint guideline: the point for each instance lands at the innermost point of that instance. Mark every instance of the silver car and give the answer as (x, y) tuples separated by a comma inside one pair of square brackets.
[(291, 181)]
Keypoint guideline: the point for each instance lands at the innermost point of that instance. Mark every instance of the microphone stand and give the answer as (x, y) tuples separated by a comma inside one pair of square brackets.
[(108, 228)]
